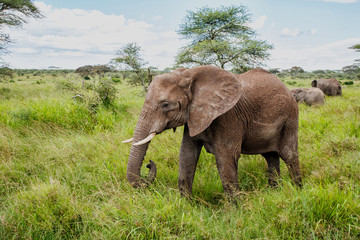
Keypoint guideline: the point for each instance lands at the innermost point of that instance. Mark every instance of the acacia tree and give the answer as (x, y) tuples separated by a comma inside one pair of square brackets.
[(129, 57), (85, 71), (13, 13), (357, 48), (221, 37)]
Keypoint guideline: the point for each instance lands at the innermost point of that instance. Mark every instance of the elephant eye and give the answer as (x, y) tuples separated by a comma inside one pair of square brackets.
[(164, 105)]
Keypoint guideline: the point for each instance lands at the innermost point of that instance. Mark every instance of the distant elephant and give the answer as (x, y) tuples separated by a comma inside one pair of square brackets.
[(309, 96), (228, 114), (330, 86)]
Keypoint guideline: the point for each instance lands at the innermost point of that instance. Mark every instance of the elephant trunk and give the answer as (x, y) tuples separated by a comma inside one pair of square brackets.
[(138, 152)]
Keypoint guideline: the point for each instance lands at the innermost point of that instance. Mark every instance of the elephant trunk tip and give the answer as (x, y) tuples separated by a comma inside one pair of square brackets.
[(139, 182)]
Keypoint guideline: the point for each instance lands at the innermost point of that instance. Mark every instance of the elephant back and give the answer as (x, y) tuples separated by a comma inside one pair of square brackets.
[(330, 86)]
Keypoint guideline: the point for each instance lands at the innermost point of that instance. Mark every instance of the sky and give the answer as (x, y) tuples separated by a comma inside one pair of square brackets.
[(312, 34)]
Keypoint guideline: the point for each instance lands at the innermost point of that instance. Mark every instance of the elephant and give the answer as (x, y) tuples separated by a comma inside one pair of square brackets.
[(330, 86), (228, 114), (309, 96)]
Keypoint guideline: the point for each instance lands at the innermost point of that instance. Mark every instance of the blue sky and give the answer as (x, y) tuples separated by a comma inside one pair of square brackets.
[(313, 34)]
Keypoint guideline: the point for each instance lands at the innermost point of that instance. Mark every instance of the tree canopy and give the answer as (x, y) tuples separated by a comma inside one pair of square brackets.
[(90, 70), (129, 57), (221, 37), (13, 13), (357, 49)]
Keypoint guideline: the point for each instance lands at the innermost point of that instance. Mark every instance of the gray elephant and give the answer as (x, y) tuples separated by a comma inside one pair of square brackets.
[(309, 96), (228, 114), (330, 87)]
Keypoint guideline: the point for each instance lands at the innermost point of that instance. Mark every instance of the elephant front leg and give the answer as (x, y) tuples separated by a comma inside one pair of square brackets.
[(189, 155), (227, 166)]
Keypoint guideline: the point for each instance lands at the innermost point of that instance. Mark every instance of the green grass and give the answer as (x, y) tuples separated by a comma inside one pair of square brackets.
[(62, 174)]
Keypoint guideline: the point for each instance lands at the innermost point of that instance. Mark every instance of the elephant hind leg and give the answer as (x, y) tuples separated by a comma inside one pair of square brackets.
[(292, 163), (273, 161), (288, 151)]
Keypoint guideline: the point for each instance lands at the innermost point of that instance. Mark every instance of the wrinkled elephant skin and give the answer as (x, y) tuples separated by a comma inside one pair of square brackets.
[(228, 114)]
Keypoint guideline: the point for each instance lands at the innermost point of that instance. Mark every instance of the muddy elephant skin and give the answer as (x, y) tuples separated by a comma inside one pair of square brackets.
[(228, 114)]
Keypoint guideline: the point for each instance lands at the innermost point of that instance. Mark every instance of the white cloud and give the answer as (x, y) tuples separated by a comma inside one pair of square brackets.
[(340, 1), (258, 23), (287, 32), (26, 50), (333, 55), (70, 38)]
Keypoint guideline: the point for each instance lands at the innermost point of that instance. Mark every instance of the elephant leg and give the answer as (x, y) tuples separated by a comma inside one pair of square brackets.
[(273, 161), (227, 166), (189, 155), (289, 153)]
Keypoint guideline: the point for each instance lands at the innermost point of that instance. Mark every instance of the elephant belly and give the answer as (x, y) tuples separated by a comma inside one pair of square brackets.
[(261, 138)]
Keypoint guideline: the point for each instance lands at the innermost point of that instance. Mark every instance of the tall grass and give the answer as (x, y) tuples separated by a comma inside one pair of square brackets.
[(62, 175)]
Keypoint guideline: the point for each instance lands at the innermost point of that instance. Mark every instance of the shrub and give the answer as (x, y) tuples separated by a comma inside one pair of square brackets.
[(101, 92), (291, 83), (349, 83)]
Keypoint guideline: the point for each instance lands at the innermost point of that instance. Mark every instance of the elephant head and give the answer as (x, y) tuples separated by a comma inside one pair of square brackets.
[(299, 94), (330, 87), (185, 96)]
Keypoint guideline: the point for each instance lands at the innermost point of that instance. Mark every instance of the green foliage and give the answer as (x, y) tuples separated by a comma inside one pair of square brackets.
[(48, 208), (116, 78), (221, 37), (357, 48), (349, 82), (95, 94), (63, 173), (13, 13), (351, 69), (128, 57), (6, 73), (291, 83), (347, 73), (92, 70)]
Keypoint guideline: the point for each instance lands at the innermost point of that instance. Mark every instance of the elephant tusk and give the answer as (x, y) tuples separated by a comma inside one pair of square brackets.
[(146, 140), (128, 140)]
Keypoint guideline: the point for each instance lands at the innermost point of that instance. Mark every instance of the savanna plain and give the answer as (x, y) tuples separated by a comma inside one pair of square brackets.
[(63, 171)]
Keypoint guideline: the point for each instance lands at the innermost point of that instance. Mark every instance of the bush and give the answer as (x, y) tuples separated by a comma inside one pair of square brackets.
[(66, 85), (116, 78), (349, 83), (291, 83), (95, 94)]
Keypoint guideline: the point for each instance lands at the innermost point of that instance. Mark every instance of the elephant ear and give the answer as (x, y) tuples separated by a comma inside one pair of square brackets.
[(314, 83), (213, 92)]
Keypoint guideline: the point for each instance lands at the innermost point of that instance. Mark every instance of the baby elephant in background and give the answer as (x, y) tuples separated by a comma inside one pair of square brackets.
[(309, 96), (330, 86)]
